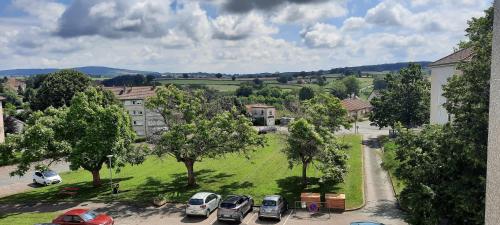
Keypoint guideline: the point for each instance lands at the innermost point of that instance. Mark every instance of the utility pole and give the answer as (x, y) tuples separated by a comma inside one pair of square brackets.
[(492, 215), (110, 173)]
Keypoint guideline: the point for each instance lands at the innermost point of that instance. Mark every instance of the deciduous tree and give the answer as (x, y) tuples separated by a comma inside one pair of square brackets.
[(94, 126), (57, 89), (194, 134), (406, 99)]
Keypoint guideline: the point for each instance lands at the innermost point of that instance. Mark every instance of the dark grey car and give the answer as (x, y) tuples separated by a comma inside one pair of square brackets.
[(234, 208), (273, 206)]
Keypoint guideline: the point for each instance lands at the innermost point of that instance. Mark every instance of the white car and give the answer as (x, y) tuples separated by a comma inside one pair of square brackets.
[(202, 204), (46, 177)]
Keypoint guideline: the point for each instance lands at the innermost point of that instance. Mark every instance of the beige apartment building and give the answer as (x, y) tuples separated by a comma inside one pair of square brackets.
[(262, 112), (144, 122)]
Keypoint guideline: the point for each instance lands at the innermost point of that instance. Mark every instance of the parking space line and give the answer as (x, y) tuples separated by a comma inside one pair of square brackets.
[(288, 217), (248, 221), (212, 221)]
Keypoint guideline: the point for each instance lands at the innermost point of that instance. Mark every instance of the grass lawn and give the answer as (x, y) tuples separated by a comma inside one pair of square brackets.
[(264, 172), (27, 218), (390, 163)]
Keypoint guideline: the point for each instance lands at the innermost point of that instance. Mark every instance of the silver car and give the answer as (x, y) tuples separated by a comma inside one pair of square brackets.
[(234, 208), (202, 204), (273, 206)]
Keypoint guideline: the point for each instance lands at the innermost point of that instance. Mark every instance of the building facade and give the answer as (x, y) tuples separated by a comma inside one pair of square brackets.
[(144, 121), (441, 71), (262, 112)]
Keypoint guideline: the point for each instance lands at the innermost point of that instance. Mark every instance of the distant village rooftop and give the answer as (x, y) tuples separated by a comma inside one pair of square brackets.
[(355, 104), (126, 93), (458, 56)]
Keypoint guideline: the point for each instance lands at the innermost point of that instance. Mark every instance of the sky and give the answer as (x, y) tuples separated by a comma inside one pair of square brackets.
[(229, 36)]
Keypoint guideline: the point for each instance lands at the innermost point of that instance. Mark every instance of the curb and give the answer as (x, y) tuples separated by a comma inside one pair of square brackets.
[(363, 187)]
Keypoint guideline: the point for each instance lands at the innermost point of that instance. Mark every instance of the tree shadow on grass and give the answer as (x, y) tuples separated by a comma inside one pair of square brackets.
[(51, 193), (176, 190), (291, 188)]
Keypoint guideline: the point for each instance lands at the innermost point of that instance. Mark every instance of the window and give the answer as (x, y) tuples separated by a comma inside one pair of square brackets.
[(262, 112), (270, 113), (195, 201)]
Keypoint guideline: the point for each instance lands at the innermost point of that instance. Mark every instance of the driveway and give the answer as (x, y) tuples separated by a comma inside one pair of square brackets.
[(12, 185)]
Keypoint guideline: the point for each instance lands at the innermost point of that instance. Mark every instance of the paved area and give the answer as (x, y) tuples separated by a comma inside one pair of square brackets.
[(380, 200), (12, 185)]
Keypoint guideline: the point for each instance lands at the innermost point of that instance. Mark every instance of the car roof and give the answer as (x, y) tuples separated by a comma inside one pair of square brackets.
[(76, 212), (201, 195), (232, 199), (272, 197)]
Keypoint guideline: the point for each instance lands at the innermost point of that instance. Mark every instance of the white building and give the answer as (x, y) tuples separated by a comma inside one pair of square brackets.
[(144, 122), (262, 112), (441, 71)]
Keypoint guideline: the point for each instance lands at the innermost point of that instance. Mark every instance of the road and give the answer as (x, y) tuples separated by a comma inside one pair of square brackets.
[(12, 185)]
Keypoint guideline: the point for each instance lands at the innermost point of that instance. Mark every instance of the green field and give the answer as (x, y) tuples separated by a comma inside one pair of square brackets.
[(227, 85), (265, 172)]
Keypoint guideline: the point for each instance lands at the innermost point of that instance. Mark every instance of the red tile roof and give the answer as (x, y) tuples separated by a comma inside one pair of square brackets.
[(128, 93), (355, 104), (456, 57)]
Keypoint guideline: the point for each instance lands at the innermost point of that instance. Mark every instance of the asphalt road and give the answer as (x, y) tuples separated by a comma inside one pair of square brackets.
[(12, 185)]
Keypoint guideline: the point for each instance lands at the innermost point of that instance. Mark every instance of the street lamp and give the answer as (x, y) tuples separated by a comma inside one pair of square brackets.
[(110, 173)]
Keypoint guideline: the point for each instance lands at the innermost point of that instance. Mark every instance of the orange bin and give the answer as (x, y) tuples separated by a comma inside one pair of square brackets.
[(335, 201), (310, 198)]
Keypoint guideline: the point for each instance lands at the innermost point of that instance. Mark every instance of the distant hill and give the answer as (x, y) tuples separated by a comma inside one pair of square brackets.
[(90, 70), (390, 67)]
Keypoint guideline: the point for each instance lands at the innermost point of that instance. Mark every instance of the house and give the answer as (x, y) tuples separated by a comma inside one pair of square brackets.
[(356, 107), (15, 84), (144, 122), (441, 71), (263, 113)]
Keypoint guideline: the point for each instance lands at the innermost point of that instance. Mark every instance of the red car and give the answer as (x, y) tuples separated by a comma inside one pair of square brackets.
[(83, 217)]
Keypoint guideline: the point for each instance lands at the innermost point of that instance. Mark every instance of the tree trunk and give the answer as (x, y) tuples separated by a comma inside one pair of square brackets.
[(190, 172), (304, 173), (96, 178)]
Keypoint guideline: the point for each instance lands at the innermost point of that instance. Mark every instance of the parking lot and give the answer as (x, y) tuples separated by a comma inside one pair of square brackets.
[(173, 214)]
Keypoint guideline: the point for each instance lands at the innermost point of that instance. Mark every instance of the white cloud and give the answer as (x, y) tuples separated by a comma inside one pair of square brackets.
[(354, 23), (236, 27), (45, 10), (322, 35), (295, 13)]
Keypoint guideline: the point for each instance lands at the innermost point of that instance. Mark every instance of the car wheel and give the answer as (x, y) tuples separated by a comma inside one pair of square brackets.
[(279, 217), (34, 181), (45, 183), (207, 214), (241, 217)]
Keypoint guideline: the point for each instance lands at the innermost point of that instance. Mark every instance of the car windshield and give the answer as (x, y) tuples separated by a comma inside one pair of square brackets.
[(88, 216), (49, 173), (195, 201), (227, 205), (269, 203)]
